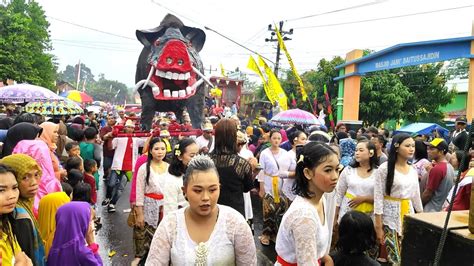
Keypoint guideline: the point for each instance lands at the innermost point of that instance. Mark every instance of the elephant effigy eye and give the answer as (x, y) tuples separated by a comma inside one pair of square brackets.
[(169, 60), (180, 62)]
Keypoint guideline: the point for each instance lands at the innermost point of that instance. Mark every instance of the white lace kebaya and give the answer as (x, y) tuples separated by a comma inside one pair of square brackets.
[(302, 238), (231, 242), (404, 187)]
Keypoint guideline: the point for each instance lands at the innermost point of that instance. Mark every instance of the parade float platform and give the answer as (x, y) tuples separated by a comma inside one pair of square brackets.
[(422, 232)]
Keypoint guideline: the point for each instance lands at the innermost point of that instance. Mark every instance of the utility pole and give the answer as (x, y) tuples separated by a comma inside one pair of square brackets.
[(272, 39)]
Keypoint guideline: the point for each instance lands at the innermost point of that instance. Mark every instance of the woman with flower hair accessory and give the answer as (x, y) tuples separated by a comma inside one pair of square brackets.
[(396, 194), (204, 233)]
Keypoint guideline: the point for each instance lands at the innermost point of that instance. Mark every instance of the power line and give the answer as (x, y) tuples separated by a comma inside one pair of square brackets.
[(241, 45), (176, 13), (92, 41), (92, 29), (376, 2), (98, 48), (384, 18)]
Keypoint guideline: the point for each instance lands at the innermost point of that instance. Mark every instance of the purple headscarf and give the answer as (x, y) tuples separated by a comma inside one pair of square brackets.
[(69, 244)]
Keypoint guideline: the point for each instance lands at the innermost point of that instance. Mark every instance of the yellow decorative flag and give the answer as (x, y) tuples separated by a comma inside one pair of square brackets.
[(290, 61), (252, 65), (222, 71), (274, 85)]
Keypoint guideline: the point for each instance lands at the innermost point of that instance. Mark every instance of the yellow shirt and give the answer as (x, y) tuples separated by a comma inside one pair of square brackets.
[(8, 254)]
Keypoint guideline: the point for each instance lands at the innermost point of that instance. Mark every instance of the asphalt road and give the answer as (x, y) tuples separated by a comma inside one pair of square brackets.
[(116, 242)]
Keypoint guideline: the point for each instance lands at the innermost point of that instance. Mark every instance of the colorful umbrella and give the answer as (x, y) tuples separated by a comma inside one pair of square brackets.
[(23, 93), (58, 107), (77, 96), (296, 116)]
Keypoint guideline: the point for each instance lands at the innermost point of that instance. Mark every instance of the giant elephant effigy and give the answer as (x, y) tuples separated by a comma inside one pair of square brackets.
[(169, 75)]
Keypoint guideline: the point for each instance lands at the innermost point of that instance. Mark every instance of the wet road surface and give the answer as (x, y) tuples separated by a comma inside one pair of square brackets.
[(115, 236)]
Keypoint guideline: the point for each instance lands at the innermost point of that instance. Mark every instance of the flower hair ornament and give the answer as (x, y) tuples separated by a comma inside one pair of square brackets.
[(177, 152), (300, 159), (396, 145)]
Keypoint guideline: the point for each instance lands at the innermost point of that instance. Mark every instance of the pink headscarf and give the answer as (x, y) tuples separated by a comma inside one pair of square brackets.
[(39, 151)]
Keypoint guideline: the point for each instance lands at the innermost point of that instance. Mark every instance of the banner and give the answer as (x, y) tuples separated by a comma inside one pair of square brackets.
[(290, 61), (274, 85), (223, 71), (252, 65), (328, 103)]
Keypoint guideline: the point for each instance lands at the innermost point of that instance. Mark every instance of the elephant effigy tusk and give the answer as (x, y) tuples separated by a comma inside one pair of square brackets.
[(143, 83), (197, 84), (152, 70), (202, 76)]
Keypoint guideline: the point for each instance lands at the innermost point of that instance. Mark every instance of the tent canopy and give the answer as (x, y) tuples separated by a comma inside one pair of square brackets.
[(423, 129)]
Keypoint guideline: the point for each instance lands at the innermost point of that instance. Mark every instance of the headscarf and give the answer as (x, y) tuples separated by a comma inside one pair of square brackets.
[(47, 135), (62, 138), (18, 133), (6, 123), (69, 245), (40, 152), (348, 148), (48, 207), (21, 164)]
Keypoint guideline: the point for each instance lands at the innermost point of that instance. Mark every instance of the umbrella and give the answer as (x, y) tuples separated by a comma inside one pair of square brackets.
[(20, 93), (296, 116), (423, 129), (77, 96), (58, 107)]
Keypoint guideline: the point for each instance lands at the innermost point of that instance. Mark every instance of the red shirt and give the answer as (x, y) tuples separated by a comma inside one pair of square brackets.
[(128, 157), (108, 151), (89, 179)]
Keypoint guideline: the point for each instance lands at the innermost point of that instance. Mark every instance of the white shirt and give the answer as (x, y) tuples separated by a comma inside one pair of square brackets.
[(302, 238), (203, 142), (404, 187), (231, 242), (270, 169), (120, 146), (350, 182)]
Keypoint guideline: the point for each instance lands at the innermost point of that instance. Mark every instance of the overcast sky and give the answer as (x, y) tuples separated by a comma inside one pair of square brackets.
[(245, 21)]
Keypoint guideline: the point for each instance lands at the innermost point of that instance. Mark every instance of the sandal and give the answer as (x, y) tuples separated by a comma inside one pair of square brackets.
[(264, 240)]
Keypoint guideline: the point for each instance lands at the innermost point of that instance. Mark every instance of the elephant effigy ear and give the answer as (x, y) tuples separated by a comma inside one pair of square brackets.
[(196, 36)]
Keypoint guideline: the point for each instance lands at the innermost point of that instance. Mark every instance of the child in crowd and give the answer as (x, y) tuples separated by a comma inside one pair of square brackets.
[(82, 192), (74, 163), (72, 149), (67, 189), (356, 237), (90, 168), (88, 149), (74, 177)]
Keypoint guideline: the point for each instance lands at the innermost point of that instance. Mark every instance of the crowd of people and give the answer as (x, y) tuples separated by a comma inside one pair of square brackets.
[(336, 198)]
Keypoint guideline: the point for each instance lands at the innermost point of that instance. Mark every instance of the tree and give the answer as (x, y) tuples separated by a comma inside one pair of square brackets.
[(382, 98), (70, 74), (426, 84), (25, 43), (458, 68)]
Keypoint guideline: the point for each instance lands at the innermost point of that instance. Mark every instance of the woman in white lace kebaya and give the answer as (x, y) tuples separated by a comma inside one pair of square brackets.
[(204, 233), (303, 237), (396, 193), (152, 182), (355, 188), (277, 166)]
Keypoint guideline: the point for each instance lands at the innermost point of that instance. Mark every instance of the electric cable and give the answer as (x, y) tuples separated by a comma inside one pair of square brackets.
[(384, 18)]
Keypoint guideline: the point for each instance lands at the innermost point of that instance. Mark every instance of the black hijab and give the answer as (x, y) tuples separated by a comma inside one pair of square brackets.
[(19, 132)]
